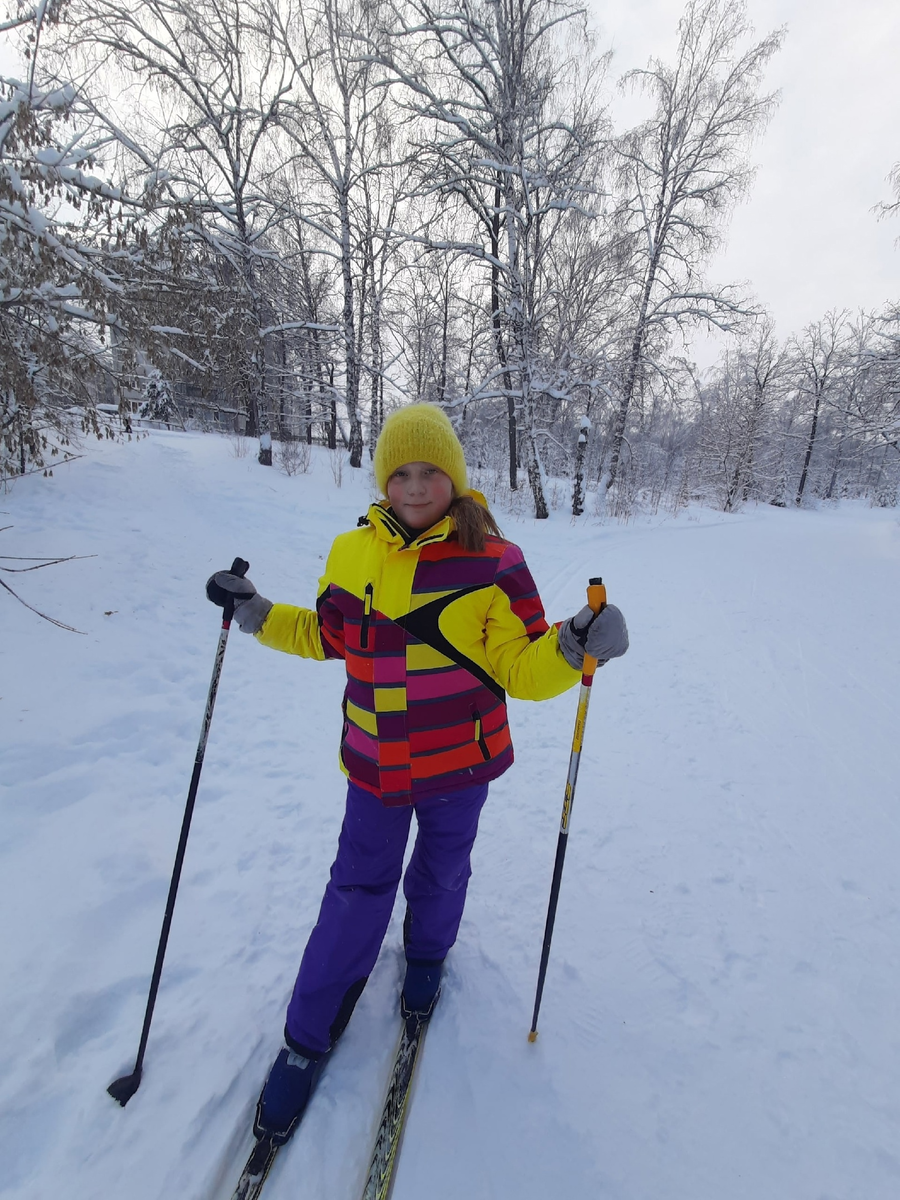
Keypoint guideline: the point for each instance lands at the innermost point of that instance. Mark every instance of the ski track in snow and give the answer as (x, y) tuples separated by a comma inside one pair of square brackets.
[(719, 1014)]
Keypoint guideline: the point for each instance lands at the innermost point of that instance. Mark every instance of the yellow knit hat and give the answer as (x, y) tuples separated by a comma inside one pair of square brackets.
[(419, 433)]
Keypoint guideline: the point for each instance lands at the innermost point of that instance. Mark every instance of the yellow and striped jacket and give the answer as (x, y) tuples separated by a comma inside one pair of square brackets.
[(433, 637)]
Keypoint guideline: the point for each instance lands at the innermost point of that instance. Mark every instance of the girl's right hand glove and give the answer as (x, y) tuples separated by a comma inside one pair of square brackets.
[(603, 635), (250, 608)]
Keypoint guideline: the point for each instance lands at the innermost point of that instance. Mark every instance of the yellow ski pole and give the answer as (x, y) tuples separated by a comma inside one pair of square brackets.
[(596, 596)]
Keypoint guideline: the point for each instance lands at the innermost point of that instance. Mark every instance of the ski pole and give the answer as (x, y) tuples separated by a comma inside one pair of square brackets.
[(596, 596), (123, 1089)]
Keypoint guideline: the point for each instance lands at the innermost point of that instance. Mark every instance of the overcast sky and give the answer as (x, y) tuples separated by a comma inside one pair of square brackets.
[(806, 240)]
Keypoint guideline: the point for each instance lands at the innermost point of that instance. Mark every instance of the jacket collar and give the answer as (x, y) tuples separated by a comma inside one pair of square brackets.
[(389, 529)]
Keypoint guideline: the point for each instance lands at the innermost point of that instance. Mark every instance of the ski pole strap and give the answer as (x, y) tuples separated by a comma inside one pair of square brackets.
[(239, 567), (596, 598)]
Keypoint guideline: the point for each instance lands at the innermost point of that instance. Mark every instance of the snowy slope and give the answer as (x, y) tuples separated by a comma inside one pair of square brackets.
[(719, 1021)]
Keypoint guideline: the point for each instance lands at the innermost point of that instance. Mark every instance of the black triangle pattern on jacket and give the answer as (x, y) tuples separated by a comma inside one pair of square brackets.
[(422, 623)]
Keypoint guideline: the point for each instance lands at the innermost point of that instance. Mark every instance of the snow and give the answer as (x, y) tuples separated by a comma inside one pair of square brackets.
[(719, 1019)]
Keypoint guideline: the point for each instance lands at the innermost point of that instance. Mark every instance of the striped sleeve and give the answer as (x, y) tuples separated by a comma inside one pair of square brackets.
[(522, 649), (331, 622)]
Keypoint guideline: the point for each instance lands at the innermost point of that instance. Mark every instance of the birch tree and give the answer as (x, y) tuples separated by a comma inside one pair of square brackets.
[(338, 130), (199, 94), (869, 403), (679, 174), (879, 410), (762, 368), (737, 418), (819, 360), (69, 244), (507, 136)]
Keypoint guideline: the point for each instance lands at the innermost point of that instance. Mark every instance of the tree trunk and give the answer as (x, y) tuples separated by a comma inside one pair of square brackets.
[(332, 422), (376, 397), (254, 360), (836, 464), (809, 448), (511, 423), (578, 485), (351, 363), (532, 458), (535, 476), (637, 347), (753, 438)]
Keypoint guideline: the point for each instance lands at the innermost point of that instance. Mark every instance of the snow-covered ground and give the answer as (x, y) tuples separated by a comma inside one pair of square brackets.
[(720, 1015)]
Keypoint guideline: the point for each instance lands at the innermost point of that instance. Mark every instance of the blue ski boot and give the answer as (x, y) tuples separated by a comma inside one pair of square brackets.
[(286, 1094), (421, 990)]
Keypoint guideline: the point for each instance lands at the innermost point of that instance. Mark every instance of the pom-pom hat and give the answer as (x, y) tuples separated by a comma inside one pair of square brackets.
[(420, 433)]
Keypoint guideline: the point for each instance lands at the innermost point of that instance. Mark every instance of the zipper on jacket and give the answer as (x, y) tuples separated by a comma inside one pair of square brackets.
[(479, 736), (345, 730), (367, 613)]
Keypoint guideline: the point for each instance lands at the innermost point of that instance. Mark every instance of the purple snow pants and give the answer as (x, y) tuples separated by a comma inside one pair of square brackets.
[(359, 898)]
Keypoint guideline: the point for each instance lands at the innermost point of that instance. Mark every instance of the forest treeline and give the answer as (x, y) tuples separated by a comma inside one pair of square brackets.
[(305, 214)]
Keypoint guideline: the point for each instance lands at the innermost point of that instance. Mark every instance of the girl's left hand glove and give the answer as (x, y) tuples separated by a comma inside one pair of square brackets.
[(250, 608), (603, 635)]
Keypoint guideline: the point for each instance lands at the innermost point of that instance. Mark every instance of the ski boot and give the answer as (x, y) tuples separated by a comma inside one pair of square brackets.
[(286, 1094), (421, 991)]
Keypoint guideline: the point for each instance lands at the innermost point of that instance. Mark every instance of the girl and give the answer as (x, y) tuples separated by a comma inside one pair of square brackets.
[(436, 617)]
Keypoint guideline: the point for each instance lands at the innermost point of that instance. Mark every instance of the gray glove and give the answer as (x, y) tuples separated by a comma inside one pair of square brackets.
[(250, 608), (603, 635)]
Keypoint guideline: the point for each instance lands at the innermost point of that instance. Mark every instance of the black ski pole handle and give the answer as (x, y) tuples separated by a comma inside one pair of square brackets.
[(239, 567)]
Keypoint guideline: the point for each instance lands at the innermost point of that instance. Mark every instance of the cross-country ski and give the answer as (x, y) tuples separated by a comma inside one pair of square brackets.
[(256, 1170), (386, 1148)]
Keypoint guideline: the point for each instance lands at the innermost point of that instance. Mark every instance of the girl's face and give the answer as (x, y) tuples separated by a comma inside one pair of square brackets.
[(420, 494)]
